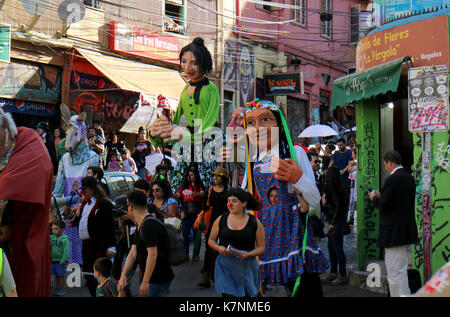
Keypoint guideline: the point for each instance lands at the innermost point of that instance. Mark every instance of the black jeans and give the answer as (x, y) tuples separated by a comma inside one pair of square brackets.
[(336, 248)]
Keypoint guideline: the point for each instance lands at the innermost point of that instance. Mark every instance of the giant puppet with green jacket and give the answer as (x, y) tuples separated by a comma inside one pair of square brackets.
[(197, 113)]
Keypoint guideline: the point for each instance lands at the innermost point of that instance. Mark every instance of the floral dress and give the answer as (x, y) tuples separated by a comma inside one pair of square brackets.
[(72, 168), (282, 261)]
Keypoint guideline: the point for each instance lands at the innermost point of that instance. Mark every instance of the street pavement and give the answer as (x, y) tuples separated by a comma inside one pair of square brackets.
[(187, 276)]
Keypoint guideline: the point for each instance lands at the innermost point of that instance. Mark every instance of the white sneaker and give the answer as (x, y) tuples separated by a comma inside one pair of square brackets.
[(328, 278), (340, 280)]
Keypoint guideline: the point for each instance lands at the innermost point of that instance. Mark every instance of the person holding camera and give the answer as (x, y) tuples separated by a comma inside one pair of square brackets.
[(96, 145)]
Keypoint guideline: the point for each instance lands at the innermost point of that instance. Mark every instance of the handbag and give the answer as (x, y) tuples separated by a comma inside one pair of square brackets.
[(203, 220)]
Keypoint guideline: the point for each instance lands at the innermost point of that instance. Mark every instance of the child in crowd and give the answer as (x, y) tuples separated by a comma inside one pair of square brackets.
[(60, 253), (129, 165), (273, 196), (114, 164), (102, 272)]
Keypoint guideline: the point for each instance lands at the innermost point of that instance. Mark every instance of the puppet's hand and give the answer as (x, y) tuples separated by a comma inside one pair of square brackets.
[(160, 125), (172, 133), (286, 170)]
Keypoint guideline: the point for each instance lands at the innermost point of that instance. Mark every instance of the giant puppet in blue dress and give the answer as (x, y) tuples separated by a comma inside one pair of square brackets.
[(274, 163)]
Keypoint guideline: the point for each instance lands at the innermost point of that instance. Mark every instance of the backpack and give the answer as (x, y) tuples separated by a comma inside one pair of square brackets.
[(175, 243)]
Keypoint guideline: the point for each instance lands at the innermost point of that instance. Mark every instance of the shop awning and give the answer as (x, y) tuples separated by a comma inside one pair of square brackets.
[(367, 83), (135, 76)]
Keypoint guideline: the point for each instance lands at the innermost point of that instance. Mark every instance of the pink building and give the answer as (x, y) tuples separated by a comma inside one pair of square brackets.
[(316, 39)]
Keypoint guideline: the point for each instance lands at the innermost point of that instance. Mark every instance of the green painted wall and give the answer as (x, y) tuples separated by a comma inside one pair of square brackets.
[(367, 136), (440, 201)]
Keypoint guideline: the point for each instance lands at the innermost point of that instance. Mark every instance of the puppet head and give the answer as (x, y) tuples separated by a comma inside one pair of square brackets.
[(76, 130)]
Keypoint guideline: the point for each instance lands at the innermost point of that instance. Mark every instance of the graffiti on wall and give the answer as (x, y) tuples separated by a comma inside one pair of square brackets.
[(434, 224), (368, 148), (229, 66), (113, 108), (239, 70), (246, 73), (30, 82)]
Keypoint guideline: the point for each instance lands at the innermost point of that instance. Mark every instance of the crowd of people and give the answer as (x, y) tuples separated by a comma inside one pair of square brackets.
[(262, 218)]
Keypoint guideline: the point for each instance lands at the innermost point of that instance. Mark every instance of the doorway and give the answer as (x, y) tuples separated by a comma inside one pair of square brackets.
[(394, 134)]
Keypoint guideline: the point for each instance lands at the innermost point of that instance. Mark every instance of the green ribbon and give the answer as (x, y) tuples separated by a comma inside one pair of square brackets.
[(288, 137), (305, 237)]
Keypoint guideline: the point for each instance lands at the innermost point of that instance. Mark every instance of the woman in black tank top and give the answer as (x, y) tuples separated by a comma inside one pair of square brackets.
[(241, 239)]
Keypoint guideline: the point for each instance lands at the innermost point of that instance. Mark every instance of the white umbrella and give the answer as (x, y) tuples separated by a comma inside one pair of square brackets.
[(153, 160), (352, 129), (317, 130)]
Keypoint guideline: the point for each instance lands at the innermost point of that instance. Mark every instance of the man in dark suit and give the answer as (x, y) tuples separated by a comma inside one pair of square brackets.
[(95, 226), (398, 227)]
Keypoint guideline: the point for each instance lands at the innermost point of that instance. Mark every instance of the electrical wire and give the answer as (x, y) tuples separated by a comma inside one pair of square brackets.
[(264, 31)]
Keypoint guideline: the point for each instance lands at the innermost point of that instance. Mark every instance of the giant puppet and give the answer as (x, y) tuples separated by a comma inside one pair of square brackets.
[(199, 107), (274, 164), (26, 176), (72, 168), (73, 164)]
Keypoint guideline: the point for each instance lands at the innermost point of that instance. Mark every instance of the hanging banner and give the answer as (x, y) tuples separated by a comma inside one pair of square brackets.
[(428, 98)]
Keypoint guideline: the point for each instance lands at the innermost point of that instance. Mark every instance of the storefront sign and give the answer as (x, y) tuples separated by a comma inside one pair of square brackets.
[(5, 42), (425, 41), (428, 98), (282, 84), (81, 80), (26, 107), (145, 43), (30, 82)]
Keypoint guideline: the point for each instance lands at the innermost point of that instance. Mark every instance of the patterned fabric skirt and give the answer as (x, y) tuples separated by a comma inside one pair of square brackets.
[(75, 244), (282, 261)]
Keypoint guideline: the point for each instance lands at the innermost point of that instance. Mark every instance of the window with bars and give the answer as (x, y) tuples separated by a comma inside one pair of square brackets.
[(354, 24), (325, 17), (299, 13), (174, 16)]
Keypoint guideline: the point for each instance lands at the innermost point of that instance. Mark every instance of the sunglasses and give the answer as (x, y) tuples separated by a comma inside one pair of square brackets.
[(155, 190)]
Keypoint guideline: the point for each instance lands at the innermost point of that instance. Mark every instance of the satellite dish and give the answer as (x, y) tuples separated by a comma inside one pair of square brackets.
[(36, 7), (71, 11)]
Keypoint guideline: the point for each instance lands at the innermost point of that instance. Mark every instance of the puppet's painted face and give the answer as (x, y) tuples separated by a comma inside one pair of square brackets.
[(262, 128), (190, 67), (76, 134)]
